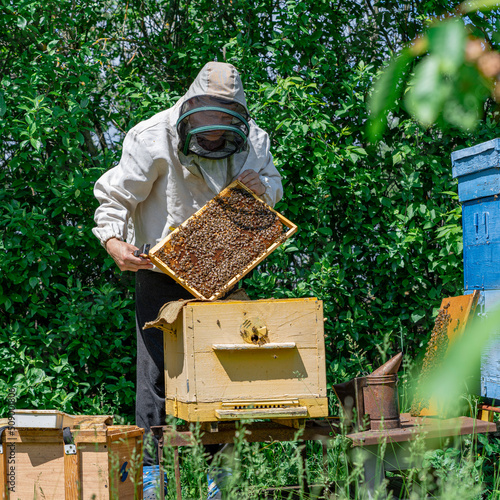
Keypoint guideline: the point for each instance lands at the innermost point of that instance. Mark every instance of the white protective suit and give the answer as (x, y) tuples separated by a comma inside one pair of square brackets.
[(159, 187)]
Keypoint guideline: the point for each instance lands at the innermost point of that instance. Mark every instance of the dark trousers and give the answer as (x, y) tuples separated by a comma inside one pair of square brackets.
[(152, 291)]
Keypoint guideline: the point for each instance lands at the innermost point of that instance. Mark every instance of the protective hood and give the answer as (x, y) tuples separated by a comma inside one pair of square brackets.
[(213, 118)]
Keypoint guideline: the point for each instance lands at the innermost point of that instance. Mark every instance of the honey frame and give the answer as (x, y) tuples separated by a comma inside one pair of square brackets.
[(292, 229)]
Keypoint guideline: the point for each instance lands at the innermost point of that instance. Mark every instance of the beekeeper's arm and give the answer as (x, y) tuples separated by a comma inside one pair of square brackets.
[(119, 191)]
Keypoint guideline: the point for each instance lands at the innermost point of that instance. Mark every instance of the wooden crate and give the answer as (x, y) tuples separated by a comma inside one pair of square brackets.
[(221, 263), (215, 372), (107, 464)]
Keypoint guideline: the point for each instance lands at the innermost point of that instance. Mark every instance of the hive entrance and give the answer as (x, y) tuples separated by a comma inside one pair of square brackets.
[(222, 242)]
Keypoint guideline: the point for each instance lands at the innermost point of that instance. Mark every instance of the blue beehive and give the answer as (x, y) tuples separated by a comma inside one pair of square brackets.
[(481, 231), (490, 359), (478, 172)]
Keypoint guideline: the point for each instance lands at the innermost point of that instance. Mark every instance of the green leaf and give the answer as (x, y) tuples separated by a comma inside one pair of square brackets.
[(3, 106), (325, 230), (386, 91), (35, 143), (427, 92), (465, 106), (480, 5), (447, 44), (397, 158), (21, 22), (417, 317)]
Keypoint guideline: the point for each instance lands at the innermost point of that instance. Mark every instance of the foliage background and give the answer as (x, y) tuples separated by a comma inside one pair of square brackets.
[(380, 235)]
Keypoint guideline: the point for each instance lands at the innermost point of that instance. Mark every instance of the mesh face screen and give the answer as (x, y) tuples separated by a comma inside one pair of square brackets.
[(212, 127)]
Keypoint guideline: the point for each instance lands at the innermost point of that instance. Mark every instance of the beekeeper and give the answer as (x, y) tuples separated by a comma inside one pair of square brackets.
[(171, 165)]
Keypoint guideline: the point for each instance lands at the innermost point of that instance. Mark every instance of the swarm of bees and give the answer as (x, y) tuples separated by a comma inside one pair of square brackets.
[(219, 243), (434, 354)]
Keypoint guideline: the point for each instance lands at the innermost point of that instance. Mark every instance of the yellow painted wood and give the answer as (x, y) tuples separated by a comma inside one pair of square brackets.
[(229, 375), (486, 416), (291, 412), (270, 403), (179, 368), (296, 320), (205, 412), (207, 359)]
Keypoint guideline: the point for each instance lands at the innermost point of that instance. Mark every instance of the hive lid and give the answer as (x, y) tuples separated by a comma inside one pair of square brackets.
[(55, 419), (476, 158), (222, 242)]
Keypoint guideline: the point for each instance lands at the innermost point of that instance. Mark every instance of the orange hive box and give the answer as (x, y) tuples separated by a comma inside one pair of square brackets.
[(450, 324), (222, 242)]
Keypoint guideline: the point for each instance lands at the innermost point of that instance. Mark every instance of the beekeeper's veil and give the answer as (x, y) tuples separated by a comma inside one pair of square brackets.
[(214, 121)]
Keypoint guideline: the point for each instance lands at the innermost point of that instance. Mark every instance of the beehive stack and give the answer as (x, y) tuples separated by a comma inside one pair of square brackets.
[(231, 360), (222, 242)]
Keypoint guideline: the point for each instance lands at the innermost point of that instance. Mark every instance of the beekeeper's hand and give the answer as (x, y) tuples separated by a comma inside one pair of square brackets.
[(123, 254), (251, 179)]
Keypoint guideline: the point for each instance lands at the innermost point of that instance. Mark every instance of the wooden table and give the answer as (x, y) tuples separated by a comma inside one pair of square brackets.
[(397, 443), (365, 446)]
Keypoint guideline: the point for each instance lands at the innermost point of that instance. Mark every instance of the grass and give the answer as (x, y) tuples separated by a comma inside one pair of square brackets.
[(464, 468)]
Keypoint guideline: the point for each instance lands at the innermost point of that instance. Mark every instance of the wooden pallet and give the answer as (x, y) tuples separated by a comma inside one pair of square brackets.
[(165, 246)]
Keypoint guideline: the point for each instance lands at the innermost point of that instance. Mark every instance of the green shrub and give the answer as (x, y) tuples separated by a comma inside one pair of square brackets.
[(379, 239)]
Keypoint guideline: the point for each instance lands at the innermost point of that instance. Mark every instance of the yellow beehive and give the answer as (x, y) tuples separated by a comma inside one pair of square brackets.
[(246, 359)]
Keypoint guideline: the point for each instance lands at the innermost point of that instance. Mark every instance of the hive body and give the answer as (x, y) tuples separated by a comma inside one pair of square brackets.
[(215, 370), (478, 172), (106, 465)]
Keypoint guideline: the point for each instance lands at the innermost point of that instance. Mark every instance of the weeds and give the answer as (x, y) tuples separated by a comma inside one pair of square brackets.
[(456, 468)]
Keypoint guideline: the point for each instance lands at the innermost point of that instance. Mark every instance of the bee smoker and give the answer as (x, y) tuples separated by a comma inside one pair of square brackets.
[(380, 395), (375, 396)]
